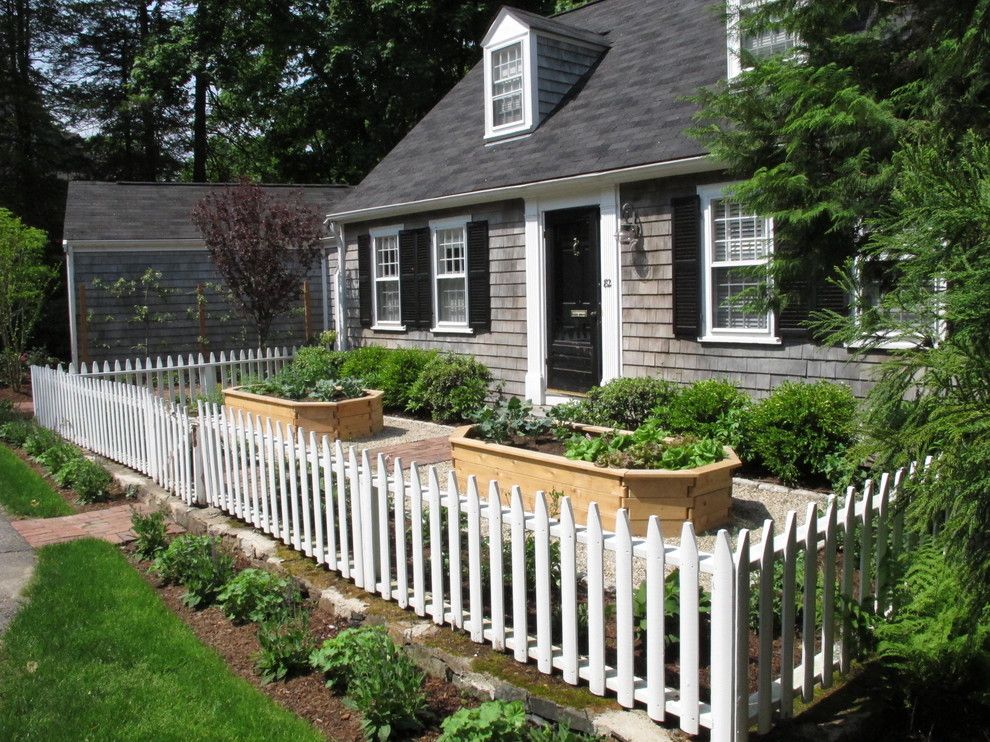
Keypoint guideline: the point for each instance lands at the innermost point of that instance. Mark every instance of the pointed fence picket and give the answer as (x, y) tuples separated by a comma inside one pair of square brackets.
[(488, 567)]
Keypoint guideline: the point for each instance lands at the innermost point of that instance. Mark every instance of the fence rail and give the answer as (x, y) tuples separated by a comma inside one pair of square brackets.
[(182, 379), (537, 584)]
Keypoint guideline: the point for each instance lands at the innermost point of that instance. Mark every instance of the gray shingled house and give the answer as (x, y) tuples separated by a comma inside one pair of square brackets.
[(119, 231), (551, 217)]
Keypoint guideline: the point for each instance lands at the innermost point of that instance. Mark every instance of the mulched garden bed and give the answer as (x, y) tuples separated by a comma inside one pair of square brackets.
[(117, 495), (307, 696)]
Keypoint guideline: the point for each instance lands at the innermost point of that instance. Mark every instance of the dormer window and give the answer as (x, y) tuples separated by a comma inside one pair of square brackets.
[(747, 46), (532, 64), (507, 85)]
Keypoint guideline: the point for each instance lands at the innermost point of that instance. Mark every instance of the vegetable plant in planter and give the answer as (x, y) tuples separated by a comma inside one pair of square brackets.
[(646, 471), (341, 408)]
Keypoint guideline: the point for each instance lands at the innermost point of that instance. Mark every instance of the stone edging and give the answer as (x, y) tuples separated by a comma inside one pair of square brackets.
[(779, 488), (440, 652)]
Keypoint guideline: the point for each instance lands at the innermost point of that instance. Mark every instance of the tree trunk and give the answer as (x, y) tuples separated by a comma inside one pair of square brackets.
[(199, 127), (149, 135)]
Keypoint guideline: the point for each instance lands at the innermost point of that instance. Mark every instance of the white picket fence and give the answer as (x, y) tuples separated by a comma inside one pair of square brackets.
[(125, 423), (182, 379), (460, 557)]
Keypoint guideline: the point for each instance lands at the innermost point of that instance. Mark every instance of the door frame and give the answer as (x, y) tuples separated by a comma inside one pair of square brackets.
[(607, 201)]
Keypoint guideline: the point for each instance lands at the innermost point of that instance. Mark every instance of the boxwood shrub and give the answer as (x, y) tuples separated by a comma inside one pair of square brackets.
[(392, 370), (796, 432), (450, 388)]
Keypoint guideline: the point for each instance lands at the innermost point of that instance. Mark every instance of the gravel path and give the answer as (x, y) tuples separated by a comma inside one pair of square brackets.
[(400, 430)]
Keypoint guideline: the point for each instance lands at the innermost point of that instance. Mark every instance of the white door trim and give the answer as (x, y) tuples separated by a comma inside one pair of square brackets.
[(607, 201)]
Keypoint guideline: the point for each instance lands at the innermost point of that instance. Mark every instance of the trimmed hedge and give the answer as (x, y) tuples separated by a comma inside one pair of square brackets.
[(392, 370)]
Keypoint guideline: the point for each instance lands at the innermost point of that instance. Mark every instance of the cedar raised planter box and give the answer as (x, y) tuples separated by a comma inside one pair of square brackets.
[(344, 420), (702, 495)]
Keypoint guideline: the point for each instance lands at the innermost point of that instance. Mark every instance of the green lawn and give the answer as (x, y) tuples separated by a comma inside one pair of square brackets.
[(24, 492), (97, 655)]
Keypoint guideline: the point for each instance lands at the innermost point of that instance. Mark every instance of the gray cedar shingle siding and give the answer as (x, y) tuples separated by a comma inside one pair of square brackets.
[(181, 271), (561, 65), (633, 110), (649, 345), (503, 349)]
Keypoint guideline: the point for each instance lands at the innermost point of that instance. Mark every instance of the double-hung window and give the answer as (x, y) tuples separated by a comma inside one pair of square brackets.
[(746, 45), (507, 85), (450, 273), (737, 248), (385, 251)]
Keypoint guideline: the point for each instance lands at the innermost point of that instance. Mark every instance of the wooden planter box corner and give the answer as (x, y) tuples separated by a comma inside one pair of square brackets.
[(702, 495), (344, 420)]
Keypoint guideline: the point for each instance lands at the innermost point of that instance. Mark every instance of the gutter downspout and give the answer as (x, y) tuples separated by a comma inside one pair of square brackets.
[(340, 294), (70, 287), (324, 283)]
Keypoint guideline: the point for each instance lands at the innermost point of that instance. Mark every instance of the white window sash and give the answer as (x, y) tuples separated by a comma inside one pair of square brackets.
[(436, 227), (376, 236)]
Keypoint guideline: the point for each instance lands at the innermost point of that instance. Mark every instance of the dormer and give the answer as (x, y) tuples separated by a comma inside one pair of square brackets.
[(531, 64)]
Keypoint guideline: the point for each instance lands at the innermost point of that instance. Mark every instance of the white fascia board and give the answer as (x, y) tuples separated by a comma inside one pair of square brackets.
[(684, 166)]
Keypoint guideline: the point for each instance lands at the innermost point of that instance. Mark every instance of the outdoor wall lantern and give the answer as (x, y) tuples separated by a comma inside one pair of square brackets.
[(630, 228)]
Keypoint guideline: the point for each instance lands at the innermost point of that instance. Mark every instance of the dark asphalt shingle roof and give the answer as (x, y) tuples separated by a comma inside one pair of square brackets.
[(157, 211), (631, 111)]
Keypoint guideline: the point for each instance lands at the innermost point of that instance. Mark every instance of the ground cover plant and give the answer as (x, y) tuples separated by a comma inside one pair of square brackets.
[(257, 595), (378, 678), (151, 532), (199, 564), (95, 652), (504, 721), (286, 645)]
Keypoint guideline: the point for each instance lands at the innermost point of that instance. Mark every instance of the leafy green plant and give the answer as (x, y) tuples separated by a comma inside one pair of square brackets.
[(794, 431), (258, 596), (559, 733), (387, 688), (150, 530), (648, 447), (508, 419), (450, 388), (327, 338), (286, 384), (197, 563), (7, 413), (711, 408), (90, 481), (493, 721), (317, 362), (58, 456), (627, 402), (337, 656), (39, 440), (671, 606), (15, 432), (333, 390), (285, 648)]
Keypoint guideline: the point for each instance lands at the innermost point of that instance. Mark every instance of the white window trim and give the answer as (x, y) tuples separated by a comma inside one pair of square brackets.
[(389, 231), (454, 222), (527, 41), (710, 334)]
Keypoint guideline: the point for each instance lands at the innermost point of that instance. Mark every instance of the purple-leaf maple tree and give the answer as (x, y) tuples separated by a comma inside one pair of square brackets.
[(263, 247)]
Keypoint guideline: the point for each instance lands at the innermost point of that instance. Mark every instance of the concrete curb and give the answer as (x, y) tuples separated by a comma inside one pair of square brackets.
[(17, 563)]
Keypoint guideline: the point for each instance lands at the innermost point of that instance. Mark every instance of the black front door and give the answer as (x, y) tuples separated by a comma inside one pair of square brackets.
[(574, 361)]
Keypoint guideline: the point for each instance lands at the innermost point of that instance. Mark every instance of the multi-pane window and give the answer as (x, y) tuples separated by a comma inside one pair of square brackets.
[(451, 275), (766, 42), (387, 279), (507, 85), (741, 243)]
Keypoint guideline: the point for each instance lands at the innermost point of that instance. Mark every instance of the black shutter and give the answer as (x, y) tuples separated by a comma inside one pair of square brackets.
[(424, 280), (792, 319), (479, 279), (686, 250), (364, 280), (414, 278)]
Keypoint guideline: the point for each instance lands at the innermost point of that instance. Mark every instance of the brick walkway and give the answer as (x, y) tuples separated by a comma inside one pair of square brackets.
[(424, 452), (112, 524)]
